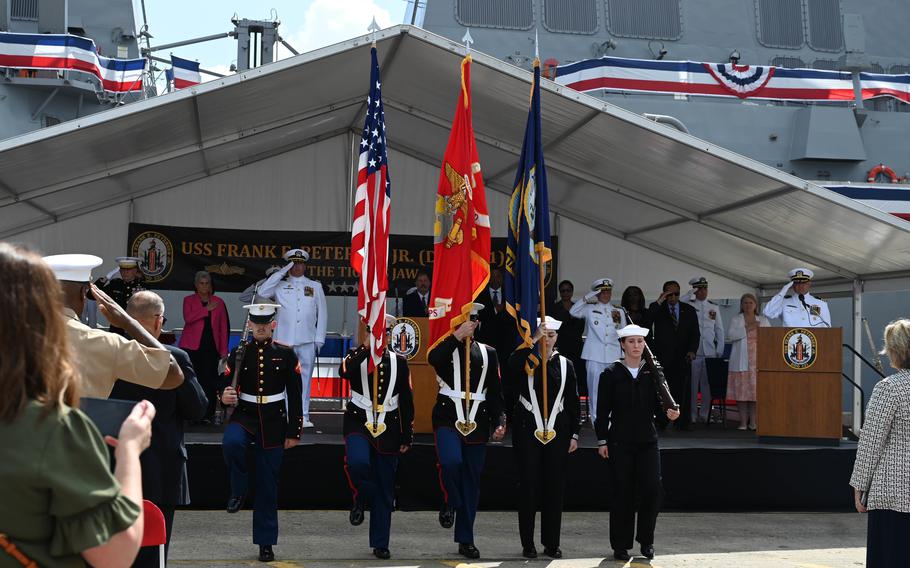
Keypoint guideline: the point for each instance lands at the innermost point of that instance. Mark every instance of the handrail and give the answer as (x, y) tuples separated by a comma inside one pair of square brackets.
[(864, 360), (862, 398)]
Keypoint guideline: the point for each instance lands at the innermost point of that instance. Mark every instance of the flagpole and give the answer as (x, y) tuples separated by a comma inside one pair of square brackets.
[(543, 348), (467, 379)]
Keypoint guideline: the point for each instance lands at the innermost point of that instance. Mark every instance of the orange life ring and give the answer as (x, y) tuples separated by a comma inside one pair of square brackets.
[(549, 68), (882, 169)]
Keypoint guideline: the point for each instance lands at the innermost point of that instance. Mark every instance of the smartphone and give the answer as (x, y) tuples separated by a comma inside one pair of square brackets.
[(107, 414)]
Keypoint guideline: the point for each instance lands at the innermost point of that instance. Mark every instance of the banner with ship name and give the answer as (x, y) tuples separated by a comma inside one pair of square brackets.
[(171, 256), (726, 80)]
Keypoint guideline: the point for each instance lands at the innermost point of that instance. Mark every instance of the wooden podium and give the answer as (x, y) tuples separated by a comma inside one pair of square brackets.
[(423, 378), (799, 385)]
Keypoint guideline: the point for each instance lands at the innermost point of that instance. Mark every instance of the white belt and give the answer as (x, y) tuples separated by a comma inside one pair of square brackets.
[(365, 403), (446, 391), (266, 399), (530, 407)]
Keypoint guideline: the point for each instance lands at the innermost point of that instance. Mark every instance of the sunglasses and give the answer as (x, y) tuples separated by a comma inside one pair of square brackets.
[(672, 294)]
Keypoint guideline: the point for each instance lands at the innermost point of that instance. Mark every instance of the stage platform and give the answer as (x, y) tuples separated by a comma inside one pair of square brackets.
[(706, 469)]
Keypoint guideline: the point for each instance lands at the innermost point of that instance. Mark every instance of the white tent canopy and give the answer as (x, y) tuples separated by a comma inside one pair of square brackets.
[(273, 147)]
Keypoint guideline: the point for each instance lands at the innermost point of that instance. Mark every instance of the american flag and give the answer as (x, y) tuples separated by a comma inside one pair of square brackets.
[(370, 230)]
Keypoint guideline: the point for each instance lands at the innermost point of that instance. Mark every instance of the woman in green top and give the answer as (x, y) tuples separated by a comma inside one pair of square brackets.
[(59, 503)]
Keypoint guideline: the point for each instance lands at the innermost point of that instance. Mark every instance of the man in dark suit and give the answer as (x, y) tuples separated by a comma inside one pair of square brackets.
[(674, 339), (164, 479), (497, 328), (417, 299)]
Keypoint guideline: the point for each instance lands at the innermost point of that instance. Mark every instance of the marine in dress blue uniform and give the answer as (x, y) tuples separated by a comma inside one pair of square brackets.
[(542, 442), (377, 430), (268, 416), (121, 283), (462, 430)]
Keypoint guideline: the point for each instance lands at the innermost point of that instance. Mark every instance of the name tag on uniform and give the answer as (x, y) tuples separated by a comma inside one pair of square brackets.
[(308, 291), (815, 310), (712, 314)]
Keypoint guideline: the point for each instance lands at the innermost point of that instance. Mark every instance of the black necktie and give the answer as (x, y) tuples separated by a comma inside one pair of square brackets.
[(496, 297)]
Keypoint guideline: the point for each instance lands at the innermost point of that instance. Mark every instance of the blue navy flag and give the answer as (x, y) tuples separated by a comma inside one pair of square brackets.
[(528, 248)]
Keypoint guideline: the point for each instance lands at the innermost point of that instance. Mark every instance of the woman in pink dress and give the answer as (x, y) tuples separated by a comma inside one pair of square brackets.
[(743, 334)]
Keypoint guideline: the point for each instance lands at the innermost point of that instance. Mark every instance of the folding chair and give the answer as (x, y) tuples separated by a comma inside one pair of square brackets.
[(716, 368), (155, 531)]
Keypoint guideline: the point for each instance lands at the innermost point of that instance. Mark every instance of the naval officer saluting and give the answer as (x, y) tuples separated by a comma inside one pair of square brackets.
[(302, 318), (268, 415), (463, 425), (543, 436), (796, 306), (601, 347), (378, 428)]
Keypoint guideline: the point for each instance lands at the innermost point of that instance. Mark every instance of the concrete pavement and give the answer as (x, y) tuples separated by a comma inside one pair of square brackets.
[(325, 539)]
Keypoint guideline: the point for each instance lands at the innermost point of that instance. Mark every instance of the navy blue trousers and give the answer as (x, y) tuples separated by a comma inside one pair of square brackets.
[(459, 466), (371, 476), (268, 462)]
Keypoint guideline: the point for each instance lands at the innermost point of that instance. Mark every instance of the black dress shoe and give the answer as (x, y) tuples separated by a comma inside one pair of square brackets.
[(647, 550), (234, 504), (266, 554), (620, 554), (356, 516), (446, 516), (468, 550), (382, 553), (529, 552), (553, 552)]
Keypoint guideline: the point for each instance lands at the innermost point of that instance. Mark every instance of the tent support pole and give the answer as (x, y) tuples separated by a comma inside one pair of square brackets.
[(857, 344)]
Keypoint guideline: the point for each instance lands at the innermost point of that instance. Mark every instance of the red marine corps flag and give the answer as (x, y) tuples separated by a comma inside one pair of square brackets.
[(461, 266), (372, 213)]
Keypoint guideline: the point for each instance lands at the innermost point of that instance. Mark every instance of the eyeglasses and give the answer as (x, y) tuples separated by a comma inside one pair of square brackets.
[(163, 319), (670, 294), (565, 289)]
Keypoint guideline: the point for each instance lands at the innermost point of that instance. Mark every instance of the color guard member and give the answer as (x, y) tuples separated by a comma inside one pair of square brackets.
[(797, 307), (302, 318), (268, 415), (627, 437), (601, 342), (377, 430), (462, 427), (542, 442)]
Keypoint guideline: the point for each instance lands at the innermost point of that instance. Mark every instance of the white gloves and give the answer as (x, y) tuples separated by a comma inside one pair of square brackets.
[(110, 275), (591, 297), (787, 286)]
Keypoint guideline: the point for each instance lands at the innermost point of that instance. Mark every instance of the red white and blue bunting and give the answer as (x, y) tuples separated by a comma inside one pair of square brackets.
[(63, 52), (726, 80)]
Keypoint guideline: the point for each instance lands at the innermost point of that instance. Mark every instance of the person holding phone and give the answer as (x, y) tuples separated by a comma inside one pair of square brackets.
[(628, 439), (60, 505), (462, 428), (269, 415)]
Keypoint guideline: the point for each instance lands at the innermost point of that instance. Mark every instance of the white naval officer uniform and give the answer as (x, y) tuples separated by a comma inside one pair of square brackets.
[(301, 320), (711, 328), (792, 311), (601, 340)]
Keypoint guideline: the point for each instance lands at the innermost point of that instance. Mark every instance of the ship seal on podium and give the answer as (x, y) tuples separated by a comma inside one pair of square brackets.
[(799, 348), (405, 338)]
